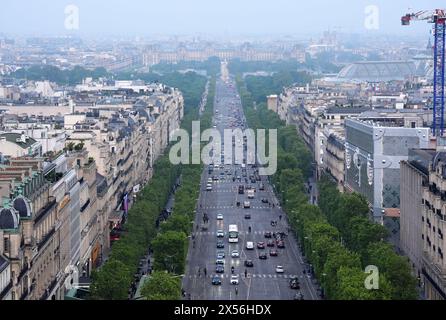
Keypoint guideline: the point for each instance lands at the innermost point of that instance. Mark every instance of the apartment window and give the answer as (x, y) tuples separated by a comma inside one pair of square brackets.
[(422, 218), (440, 234), (422, 236), (440, 253), (433, 228), (433, 248), (6, 245)]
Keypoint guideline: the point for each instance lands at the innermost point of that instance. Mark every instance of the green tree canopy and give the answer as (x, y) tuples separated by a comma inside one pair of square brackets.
[(162, 286), (112, 282)]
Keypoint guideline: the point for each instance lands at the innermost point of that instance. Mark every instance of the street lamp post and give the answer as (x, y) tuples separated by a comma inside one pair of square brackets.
[(322, 285)]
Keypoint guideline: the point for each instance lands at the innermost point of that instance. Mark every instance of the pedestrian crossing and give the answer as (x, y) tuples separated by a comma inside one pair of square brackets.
[(212, 233), (234, 206), (254, 275)]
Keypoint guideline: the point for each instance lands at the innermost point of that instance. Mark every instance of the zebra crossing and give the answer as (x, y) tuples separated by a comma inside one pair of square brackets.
[(254, 275), (233, 206), (213, 233)]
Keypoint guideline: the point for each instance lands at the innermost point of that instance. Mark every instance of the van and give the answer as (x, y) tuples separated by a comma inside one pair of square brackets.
[(249, 245)]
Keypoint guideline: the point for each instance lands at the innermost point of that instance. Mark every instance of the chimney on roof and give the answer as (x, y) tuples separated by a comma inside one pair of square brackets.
[(71, 105)]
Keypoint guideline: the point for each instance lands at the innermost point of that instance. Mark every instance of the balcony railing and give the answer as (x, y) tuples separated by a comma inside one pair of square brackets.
[(6, 290), (46, 238), (49, 289), (23, 272), (24, 294), (44, 211)]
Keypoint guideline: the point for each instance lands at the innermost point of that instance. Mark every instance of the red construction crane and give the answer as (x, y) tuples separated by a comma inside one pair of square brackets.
[(438, 18)]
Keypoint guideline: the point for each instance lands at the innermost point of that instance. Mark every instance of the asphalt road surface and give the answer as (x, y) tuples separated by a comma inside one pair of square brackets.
[(261, 282)]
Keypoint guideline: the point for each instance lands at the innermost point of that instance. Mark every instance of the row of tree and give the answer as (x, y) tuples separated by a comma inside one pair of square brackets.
[(349, 214), (338, 239), (54, 74), (113, 280), (171, 243), (262, 86)]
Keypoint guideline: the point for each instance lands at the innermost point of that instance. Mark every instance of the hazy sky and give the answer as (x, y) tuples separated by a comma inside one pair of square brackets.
[(145, 17)]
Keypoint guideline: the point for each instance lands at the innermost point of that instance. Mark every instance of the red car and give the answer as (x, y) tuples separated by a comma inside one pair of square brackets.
[(280, 244), (273, 253), (260, 245)]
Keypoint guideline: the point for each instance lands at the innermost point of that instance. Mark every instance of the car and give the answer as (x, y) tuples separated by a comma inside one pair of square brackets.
[(261, 245), (220, 233), (280, 244), (220, 261), (209, 180), (294, 283), (220, 255), (264, 200), (279, 269), (246, 204), (234, 279), (219, 216), (247, 216), (220, 269), (220, 245), (249, 245), (209, 187), (216, 281), (215, 178), (298, 296), (268, 234), (235, 254), (273, 253), (262, 187), (249, 263), (263, 256), (270, 243)]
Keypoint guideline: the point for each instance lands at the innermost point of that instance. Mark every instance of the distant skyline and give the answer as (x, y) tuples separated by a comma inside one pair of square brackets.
[(224, 18)]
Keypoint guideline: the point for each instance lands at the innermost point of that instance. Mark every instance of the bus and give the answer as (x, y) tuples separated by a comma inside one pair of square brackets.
[(233, 233)]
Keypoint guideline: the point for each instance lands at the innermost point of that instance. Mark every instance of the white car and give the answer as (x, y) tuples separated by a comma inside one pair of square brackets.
[(250, 245), (235, 254), (279, 269), (219, 216), (220, 233), (234, 279), (209, 187)]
